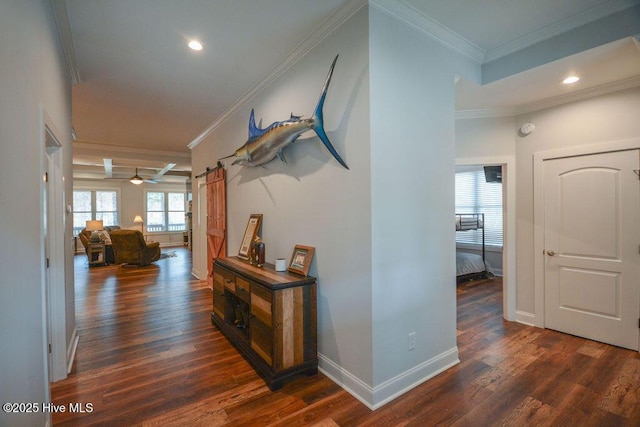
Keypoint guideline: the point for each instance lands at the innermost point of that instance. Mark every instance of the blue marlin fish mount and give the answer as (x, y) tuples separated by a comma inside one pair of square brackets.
[(265, 144)]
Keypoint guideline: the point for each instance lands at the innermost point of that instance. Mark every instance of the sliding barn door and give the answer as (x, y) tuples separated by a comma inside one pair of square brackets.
[(216, 219)]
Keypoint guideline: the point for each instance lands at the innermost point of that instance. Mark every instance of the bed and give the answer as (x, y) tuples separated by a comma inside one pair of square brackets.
[(468, 265)]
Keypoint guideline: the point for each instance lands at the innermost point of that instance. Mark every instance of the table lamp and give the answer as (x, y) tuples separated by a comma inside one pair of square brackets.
[(95, 226)]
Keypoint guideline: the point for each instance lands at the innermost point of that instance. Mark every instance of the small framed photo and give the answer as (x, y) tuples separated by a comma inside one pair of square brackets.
[(249, 235), (301, 259)]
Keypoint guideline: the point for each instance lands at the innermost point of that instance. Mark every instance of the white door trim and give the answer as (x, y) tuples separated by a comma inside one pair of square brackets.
[(54, 312), (538, 207), (199, 233), (508, 227)]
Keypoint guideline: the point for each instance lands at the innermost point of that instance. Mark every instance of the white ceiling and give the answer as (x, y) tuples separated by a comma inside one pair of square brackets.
[(140, 90)]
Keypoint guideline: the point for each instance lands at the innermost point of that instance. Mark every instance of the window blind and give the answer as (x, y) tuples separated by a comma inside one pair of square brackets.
[(475, 195)]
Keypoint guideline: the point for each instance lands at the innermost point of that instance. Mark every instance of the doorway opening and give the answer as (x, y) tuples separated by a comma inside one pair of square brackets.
[(478, 221), (506, 258)]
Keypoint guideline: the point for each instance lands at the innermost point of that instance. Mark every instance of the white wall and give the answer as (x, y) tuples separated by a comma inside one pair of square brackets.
[(132, 203), (412, 183), (32, 76), (485, 137), (596, 120)]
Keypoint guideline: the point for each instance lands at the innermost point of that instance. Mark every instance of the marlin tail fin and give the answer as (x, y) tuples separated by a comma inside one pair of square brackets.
[(318, 119)]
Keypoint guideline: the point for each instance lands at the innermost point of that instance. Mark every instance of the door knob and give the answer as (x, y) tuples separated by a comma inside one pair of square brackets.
[(551, 253)]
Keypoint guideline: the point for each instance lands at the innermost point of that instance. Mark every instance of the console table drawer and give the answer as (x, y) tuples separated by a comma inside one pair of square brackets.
[(226, 278), (242, 289)]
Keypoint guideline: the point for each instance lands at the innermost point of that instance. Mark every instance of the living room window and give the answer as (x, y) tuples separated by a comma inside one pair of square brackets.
[(92, 205), (166, 211), (475, 195)]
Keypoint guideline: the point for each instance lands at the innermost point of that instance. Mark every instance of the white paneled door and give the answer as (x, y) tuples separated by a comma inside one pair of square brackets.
[(591, 246)]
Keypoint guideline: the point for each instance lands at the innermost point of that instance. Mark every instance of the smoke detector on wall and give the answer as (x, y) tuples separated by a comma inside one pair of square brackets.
[(527, 129)]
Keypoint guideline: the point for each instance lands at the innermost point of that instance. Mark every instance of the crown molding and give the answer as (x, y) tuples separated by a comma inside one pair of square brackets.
[(312, 40), (483, 113), (579, 19), (66, 39), (87, 146), (417, 19)]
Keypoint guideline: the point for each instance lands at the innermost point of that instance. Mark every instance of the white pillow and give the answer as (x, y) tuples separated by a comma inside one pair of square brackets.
[(104, 236)]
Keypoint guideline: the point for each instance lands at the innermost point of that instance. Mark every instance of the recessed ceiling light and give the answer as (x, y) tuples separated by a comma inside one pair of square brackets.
[(571, 79), (195, 45)]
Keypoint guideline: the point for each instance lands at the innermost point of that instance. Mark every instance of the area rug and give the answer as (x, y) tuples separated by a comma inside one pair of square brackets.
[(171, 254)]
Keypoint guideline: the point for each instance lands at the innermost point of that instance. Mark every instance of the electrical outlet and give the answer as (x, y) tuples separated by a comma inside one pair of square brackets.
[(412, 340)]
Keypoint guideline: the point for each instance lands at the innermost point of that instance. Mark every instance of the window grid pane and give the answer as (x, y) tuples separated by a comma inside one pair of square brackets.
[(176, 212), (94, 204), (155, 211), (176, 201), (108, 218), (80, 221), (475, 195), (106, 201), (155, 202), (165, 211), (82, 201), (155, 221)]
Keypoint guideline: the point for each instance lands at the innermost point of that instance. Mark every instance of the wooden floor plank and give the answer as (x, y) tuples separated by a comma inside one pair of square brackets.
[(148, 355)]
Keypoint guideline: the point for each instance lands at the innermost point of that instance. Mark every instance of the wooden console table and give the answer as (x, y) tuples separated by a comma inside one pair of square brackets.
[(269, 316)]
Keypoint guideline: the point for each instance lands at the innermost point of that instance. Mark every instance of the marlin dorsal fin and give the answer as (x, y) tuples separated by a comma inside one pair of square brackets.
[(254, 131), (294, 117)]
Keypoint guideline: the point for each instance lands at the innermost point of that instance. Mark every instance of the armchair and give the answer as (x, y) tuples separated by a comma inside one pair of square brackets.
[(129, 247), (85, 238)]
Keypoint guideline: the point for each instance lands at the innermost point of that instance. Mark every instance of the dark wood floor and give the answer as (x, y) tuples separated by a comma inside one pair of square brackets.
[(148, 355)]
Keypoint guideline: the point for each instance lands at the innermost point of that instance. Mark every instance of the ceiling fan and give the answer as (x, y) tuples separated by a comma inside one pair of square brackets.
[(137, 179)]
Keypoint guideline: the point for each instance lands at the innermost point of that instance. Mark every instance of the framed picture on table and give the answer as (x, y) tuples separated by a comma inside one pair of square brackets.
[(301, 259), (249, 235)]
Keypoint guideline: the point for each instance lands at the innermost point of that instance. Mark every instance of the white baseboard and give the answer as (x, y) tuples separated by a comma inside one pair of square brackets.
[(375, 397), (352, 384), (71, 349), (199, 274), (525, 318)]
